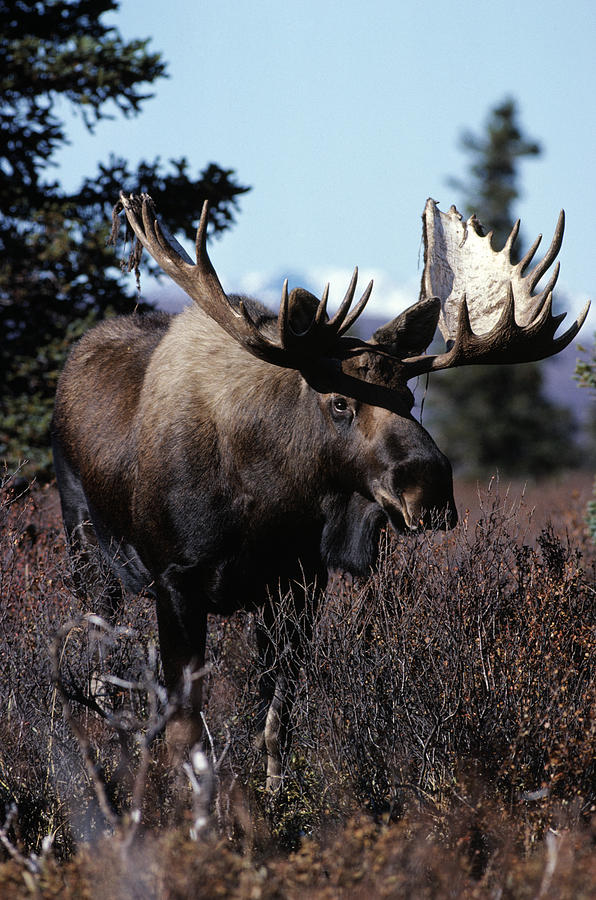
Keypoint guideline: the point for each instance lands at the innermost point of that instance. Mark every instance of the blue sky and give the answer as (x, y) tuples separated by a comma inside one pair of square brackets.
[(344, 117)]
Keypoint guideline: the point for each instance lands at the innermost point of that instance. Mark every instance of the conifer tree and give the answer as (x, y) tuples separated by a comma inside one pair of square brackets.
[(491, 418), (56, 274)]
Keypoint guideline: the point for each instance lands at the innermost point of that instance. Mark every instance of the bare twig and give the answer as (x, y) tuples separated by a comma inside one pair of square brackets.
[(135, 734)]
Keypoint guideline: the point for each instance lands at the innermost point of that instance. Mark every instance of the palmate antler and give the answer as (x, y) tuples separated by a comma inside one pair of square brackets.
[(202, 285), (489, 313)]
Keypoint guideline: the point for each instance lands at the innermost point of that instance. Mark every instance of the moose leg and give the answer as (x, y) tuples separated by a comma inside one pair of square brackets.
[(274, 700), (93, 578), (284, 631), (92, 575), (182, 638), (275, 733)]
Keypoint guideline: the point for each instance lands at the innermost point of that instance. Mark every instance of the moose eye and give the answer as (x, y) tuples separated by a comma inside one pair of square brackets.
[(339, 404)]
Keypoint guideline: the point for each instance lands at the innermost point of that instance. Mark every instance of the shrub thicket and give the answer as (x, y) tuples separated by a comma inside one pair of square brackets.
[(442, 743)]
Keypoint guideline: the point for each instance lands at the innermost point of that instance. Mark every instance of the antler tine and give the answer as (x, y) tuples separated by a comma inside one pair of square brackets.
[(201, 236), (545, 319), (164, 249), (129, 204), (216, 298), (343, 319), (321, 312), (529, 256), (159, 238), (509, 243), (338, 319), (283, 318), (554, 277), (540, 299), (561, 342), (536, 274), (351, 318), (463, 334)]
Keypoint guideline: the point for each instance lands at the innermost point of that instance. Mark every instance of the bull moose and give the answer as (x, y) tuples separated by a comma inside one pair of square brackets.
[(225, 454)]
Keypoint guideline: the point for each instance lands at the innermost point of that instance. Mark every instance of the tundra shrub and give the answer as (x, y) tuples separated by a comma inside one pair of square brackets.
[(444, 723), (469, 654)]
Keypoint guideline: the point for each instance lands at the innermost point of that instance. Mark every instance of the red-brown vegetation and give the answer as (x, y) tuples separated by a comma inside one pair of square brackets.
[(443, 732)]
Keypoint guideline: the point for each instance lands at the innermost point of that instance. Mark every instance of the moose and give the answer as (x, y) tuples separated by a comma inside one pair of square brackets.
[(226, 455)]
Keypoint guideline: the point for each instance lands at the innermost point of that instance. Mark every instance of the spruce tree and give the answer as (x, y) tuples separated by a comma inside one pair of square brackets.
[(491, 418), (57, 276)]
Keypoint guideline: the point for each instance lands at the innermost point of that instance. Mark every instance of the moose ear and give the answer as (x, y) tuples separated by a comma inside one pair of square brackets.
[(410, 333), (302, 306)]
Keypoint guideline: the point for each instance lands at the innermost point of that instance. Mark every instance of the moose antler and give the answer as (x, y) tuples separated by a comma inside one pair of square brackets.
[(489, 313), (201, 283)]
